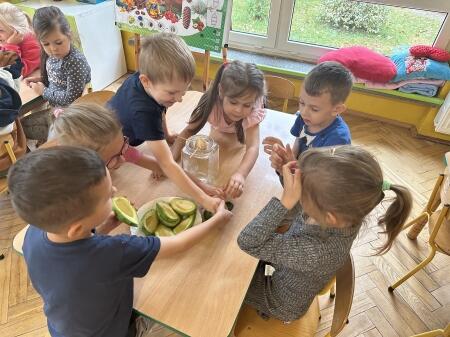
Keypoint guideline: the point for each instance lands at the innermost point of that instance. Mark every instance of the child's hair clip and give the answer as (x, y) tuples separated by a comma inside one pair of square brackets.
[(57, 112)]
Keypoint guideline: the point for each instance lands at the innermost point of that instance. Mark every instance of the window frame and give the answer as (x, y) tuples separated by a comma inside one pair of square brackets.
[(277, 42)]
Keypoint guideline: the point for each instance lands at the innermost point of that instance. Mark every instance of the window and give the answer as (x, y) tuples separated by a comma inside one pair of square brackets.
[(306, 29)]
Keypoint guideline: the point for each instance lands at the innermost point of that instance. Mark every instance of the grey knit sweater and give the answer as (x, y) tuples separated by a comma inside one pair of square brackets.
[(305, 258)]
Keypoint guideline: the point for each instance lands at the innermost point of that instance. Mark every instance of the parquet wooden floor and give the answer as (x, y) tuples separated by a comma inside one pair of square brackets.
[(420, 304)]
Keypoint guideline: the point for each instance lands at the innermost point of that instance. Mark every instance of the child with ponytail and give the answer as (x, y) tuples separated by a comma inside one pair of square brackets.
[(232, 104), (331, 190)]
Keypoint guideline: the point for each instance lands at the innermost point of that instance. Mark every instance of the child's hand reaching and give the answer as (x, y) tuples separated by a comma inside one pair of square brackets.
[(171, 138), (269, 142), (292, 185), (108, 225), (279, 154), (15, 38), (235, 186), (38, 87), (211, 203), (211, 190), (222, 215)]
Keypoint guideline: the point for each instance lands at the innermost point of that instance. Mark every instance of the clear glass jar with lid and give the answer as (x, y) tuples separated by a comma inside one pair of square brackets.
[(200, 157)]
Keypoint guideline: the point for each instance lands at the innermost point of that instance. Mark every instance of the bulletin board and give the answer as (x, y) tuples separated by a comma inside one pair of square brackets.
[(202, 24)]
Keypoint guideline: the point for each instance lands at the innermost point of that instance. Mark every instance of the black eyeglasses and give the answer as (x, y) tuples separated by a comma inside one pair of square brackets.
[(114, 160)]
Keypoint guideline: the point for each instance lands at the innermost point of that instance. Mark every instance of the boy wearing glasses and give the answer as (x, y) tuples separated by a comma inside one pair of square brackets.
[(97, 128)]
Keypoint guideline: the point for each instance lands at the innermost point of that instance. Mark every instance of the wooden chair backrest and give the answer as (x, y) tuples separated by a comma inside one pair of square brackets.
[(345, 287), (18, 143), (279, 87), (97, 97)]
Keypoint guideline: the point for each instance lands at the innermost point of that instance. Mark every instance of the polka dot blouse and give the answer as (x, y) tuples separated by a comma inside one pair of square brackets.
[(67, 78)]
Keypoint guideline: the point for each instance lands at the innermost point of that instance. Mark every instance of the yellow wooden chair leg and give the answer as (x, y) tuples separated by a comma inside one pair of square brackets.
[(415, 270), (432, 204), (432, 245), (421, 221), (435, 333)]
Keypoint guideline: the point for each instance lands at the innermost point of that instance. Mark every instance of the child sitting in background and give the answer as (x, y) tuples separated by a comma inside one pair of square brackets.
[(64, 70), (11, 68), (64, 193), (334, 189), (97, 128), (318, 123), (166, 69), (232, 104), (16, 35)]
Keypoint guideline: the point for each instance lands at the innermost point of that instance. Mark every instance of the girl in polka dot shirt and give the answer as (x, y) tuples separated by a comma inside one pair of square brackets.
[(64, 70)]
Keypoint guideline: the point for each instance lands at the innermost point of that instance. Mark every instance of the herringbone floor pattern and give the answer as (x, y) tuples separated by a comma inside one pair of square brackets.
[(421, 304)]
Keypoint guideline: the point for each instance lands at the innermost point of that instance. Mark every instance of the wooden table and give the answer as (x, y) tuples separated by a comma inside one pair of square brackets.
[(199, 293)]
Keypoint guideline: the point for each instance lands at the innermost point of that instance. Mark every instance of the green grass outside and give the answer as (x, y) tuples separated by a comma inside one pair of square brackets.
[(403, 27)]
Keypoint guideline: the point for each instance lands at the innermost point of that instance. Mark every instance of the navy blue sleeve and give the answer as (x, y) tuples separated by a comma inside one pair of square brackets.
[(339, 136), (138, 253), (297, 127), (147, 125)]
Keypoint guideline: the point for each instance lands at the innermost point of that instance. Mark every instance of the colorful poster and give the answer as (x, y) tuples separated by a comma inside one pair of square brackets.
[(201, 23)]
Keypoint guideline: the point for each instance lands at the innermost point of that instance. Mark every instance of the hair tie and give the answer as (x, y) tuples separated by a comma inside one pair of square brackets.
[(332, 151), (386, 185), (57, 112)]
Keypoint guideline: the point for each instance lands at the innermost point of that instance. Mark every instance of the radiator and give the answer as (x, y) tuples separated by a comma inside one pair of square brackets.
[(442, 119)]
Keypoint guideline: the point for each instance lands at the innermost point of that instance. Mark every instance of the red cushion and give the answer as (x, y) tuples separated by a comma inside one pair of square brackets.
[(433, 53), (363, 63)]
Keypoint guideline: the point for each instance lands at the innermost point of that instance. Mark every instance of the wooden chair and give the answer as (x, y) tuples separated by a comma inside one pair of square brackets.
[(97, 97), (281, 88), (249, 324), (345, 288), (435, 333), (12, 146), (438, 224)]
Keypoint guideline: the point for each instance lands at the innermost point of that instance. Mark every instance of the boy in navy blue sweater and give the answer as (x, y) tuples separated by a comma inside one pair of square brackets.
[(85, 279), (166, 69)]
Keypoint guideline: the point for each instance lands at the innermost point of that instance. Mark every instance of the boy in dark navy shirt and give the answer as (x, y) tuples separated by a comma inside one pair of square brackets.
[(166, 69), (85, 279), (318, 123)]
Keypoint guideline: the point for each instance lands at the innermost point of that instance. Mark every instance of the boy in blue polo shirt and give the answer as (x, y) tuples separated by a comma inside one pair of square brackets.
[(318, 123), (166, 69), (85, 279)]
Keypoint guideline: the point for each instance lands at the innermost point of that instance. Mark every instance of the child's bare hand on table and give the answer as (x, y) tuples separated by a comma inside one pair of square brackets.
[(158, 174)]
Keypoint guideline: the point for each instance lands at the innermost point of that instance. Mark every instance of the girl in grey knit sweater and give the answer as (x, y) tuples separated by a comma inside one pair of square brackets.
[(330, 191)]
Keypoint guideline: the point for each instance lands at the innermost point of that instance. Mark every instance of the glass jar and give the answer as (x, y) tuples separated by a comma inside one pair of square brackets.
[(200, 157)]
